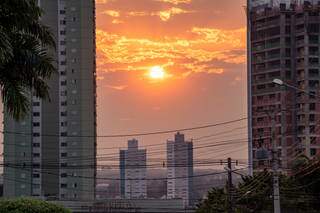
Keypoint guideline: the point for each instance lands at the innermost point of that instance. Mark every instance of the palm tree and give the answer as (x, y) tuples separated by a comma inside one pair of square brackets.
[(25, 63)]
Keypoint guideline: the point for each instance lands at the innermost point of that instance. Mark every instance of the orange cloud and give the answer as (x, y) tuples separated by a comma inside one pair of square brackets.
[(137, 13), (164, 15), (117, 21), (120, 87), (167, 14), (232, 37), (206, 52), (176, 1), (103, 1), (112, 13)]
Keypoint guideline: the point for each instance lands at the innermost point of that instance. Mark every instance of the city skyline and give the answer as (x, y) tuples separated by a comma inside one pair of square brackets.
[(160, 105), (201, 34), (182, 99)]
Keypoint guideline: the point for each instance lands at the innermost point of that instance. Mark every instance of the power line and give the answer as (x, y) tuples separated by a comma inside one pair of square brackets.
[(207, 144), (133, 134), (97, 178)]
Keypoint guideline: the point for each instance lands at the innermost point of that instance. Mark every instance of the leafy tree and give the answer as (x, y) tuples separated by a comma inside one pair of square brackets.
[(253, 194), (25, 63), (25, 205), (299, 192), (216, 201)]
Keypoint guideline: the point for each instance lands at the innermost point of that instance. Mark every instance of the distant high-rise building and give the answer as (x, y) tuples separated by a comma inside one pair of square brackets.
[(133, 171), (52, 152), (284, 44), (180, 169)]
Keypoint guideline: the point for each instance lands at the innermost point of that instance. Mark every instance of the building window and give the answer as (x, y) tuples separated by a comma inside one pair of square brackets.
[(63, 185), (63, 53), (64, 134), (62, 32), (63, 103), (36, 175), (64, 113), (35, 124), (36, 103), (63, 83), (36, 134), (36, 114), (313, 152), (65, 123), (64, 154), (63, 62), (312, 106), (63, 22), (63, 42), (312, 118), (36, 155), (64, 175), (36, 166), (63, 73), (64, 144), (62, 12), (63, 165), (36, 144)]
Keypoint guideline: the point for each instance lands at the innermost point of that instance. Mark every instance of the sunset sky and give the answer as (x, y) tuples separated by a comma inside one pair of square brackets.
[(200, 44)]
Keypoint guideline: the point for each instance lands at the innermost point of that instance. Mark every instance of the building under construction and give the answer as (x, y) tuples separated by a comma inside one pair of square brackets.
[(283, 43)]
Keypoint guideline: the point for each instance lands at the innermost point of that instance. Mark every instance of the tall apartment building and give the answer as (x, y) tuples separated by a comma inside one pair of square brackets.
[(284, 44), (133, 171), (48, 156), (180, 169)]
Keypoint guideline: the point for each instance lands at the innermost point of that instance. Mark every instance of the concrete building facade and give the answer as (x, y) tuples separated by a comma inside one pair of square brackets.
[(55, 145), (180, 169), (283, 44), (133, 171)]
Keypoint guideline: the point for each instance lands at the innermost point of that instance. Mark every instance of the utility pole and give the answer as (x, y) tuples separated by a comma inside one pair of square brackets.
[(230, 187), (276, 191)]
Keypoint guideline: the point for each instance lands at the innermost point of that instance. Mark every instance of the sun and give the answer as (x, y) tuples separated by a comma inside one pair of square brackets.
[(157, 72)]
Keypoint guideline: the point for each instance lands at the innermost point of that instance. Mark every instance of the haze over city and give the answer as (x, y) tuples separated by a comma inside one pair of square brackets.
[(200, 48), (190, 106)]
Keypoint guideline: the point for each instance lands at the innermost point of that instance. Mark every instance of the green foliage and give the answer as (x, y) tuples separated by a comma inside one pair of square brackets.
[(253, 193), (25, 205), (25, 64), (216, 202), (299, 192)]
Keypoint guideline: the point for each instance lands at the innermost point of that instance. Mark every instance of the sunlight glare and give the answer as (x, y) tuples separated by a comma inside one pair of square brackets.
[(157, 72)]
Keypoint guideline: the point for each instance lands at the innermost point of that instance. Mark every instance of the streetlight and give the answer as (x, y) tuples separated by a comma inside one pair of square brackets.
[(278, 81), (282, 83)]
